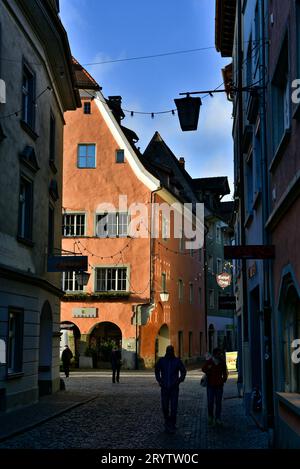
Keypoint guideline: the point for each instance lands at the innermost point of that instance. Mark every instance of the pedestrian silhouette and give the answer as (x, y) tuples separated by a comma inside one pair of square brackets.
[(169, 373), (116, 363), (66, 357), (216, 371)]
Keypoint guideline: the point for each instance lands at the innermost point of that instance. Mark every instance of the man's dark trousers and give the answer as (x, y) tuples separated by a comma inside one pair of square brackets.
[(169, 398), (116, 371)]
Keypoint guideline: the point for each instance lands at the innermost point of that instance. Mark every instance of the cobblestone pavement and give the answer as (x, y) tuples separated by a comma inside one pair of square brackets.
[(128, 415)]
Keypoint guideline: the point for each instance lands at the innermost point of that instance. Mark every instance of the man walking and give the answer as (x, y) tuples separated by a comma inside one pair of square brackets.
[(169, 373), (217, 374), (66, 358), (116, 363)]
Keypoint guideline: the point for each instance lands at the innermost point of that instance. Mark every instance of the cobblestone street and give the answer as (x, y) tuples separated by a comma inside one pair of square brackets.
[(128, 415)]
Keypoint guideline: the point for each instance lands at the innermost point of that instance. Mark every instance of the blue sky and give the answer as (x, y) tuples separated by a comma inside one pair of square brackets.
[(103, 30)]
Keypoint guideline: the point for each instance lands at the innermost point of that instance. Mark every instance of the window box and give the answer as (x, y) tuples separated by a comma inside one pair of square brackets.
[(29, 130), (290, 400), (25, 241), (249, 219), (110, 295), (256, 200), (10, 376)]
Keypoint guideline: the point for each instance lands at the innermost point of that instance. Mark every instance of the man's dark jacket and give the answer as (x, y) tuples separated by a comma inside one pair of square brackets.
[(169, 372)]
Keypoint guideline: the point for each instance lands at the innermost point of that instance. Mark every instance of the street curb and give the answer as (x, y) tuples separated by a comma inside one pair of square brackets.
[(26, 428)]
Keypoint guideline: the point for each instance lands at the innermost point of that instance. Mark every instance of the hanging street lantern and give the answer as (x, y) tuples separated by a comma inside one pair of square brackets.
[(82, 278), (188, 112), (224, 280), (164, 296)]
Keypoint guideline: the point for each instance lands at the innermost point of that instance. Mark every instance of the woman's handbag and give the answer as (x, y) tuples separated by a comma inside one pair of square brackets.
[(203, 381)]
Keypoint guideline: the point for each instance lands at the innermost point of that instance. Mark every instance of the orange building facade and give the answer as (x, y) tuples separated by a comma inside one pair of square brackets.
[(103, 180)]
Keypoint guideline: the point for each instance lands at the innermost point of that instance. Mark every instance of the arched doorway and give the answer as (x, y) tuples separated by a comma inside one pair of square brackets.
[(45, 350), (162, 341), (103, 337), (70, 335), (211, 338)]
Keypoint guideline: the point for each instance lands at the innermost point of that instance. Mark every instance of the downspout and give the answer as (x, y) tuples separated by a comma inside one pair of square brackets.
[(241, 169), (245, 318), (267, 318)]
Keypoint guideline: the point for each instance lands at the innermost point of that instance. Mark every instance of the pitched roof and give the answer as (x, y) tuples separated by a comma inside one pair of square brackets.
[(214, 184), (83, 79), (161, 162)]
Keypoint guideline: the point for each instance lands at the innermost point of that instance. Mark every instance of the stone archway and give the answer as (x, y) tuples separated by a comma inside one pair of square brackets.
[(162, 341), (70, 335), (45, 350), (102, 338)]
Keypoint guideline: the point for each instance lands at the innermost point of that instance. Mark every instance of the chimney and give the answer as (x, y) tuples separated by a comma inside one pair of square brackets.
[(182, 162), (114, 102)]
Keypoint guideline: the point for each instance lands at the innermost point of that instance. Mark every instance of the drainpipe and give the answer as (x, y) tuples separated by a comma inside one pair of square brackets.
[(137, 308), (267, 324)]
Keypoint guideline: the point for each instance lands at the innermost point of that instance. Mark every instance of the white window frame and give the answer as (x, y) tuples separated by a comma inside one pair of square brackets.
[(75, 214), (73, 280), (113, 235), (119, 267)]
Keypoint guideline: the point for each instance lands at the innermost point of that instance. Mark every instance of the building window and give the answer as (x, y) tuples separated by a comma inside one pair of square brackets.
[(200, 295), (291, 332), (200, 343), (180, 344), (298, 36), (190, 344), (15, 341), (51, 230), (281, 99), (181, 242), (257, 163), (218, 234), (52, 139), (111, 279), (257, 33), (87, 107), (163, 282), (211, 299), (180, 290), (120, 158), (191, 293), (28, 97), (164, 228), (25, 209), (219, 266), (249, 64), (249, 182), (69, 282), (200, 255), (211, 264), (112, 225), (73, 224), (86, 155)]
